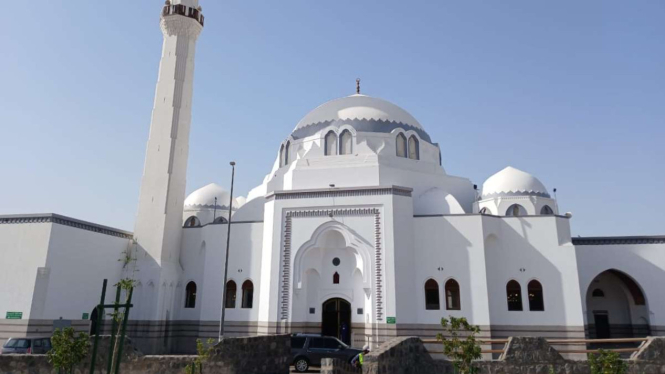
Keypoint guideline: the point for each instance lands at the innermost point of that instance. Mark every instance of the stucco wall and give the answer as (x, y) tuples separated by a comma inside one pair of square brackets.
[(644, 263), (23, 248)]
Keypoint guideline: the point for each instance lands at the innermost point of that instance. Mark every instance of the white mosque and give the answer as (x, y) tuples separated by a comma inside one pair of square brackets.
[(356, 231)]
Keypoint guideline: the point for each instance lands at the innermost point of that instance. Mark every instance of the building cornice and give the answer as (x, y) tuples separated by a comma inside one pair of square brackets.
[(13, 219), (339, 192), (614, 240)]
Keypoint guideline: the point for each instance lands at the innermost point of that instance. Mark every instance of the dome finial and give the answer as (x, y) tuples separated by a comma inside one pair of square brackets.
[(358, 86)]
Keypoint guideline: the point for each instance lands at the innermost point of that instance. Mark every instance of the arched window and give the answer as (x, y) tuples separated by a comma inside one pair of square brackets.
[(431, 295), (336, 278), (516, 210), (546, 210), (231, 288), (536, 301), (286, 153), (514, 294), (401, 145), (247, 294), (414, 148), (281, 156), (452, 295), (345, 140), (220, 220), (598, 293), (192, 221), (331, 143), (190, 295), (485, 211)]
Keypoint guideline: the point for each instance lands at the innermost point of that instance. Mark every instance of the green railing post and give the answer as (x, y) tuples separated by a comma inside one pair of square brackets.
[(114, 326), (100, 314), (124, 329)]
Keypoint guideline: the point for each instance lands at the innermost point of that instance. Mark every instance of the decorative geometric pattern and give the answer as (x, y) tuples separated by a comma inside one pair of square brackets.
[(286, 267), (611, 240), (349, 192), (286, 254), (378, 294)]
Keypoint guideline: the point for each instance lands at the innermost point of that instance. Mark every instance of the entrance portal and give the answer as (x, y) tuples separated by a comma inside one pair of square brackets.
[(616, 307), (336, 319)]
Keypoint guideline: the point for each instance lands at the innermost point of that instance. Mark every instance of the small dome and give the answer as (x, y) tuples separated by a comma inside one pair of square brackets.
[(513, 182), (251, 211), (204, 197), (435, 201), (364, 113)]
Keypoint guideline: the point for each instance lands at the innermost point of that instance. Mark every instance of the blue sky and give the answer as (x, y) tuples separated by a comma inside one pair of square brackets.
[(570, 91)]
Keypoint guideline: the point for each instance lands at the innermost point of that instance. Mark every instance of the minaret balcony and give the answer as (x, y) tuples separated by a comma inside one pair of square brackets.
[(183, 10)]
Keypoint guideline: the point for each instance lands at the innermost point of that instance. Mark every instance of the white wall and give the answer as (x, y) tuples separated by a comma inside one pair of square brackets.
[(79, 261), (644, 263), (23, 249), (527, 248), (450, 247)]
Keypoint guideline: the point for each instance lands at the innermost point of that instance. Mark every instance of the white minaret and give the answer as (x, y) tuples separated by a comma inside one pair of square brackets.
[(159, 219)]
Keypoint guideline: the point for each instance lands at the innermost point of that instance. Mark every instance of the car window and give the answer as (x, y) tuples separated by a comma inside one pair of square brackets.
[(18, 343), (332, 343), (317, 343), (47, 343), (298, 342), (11, 343), (37, 343)]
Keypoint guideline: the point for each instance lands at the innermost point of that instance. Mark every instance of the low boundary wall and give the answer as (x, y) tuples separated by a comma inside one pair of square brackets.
[(269, 354), (523, 355)]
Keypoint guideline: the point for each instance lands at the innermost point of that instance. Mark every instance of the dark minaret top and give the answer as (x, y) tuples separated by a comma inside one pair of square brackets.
[(358, 86)]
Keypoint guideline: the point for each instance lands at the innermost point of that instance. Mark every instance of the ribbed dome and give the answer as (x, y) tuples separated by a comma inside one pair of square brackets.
[(205, 196), (511, 181)]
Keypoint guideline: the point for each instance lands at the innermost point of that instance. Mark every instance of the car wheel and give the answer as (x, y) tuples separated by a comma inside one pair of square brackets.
[(301, 364)]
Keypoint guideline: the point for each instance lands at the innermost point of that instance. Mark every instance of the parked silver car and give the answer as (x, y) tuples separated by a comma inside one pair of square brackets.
[(32, 345)]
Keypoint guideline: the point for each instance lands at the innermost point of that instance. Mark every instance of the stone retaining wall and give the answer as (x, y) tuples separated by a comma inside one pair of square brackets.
[(337, 366), (269, 354), (523, 355)]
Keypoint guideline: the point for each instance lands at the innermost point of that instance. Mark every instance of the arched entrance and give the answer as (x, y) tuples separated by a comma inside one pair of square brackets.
[(616, 307), (93, 322), (336, 319)]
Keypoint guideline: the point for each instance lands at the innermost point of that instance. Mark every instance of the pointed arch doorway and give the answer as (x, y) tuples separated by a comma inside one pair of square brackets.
[(336, 319)]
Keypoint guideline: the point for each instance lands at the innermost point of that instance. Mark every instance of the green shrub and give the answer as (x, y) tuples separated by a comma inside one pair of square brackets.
[(203, 354), (460, 350), (68, 349), (607, 362)]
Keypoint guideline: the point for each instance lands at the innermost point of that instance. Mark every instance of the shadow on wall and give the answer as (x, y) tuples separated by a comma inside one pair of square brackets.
[(525, 288)]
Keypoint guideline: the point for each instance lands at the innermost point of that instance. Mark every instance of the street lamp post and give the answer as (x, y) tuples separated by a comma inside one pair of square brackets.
[(226, 262)]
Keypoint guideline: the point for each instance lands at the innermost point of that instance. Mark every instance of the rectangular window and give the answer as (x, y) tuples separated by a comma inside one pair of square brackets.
[(317, 343), (298, 342), (332, 343)]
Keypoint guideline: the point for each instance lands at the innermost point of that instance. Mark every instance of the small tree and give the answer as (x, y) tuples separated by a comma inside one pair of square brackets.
[(203, 354), (461, 350), (126, 285), (607, 362), (68, 349)]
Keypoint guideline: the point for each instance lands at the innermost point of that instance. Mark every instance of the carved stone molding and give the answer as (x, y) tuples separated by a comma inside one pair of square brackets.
[(286, 275)]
